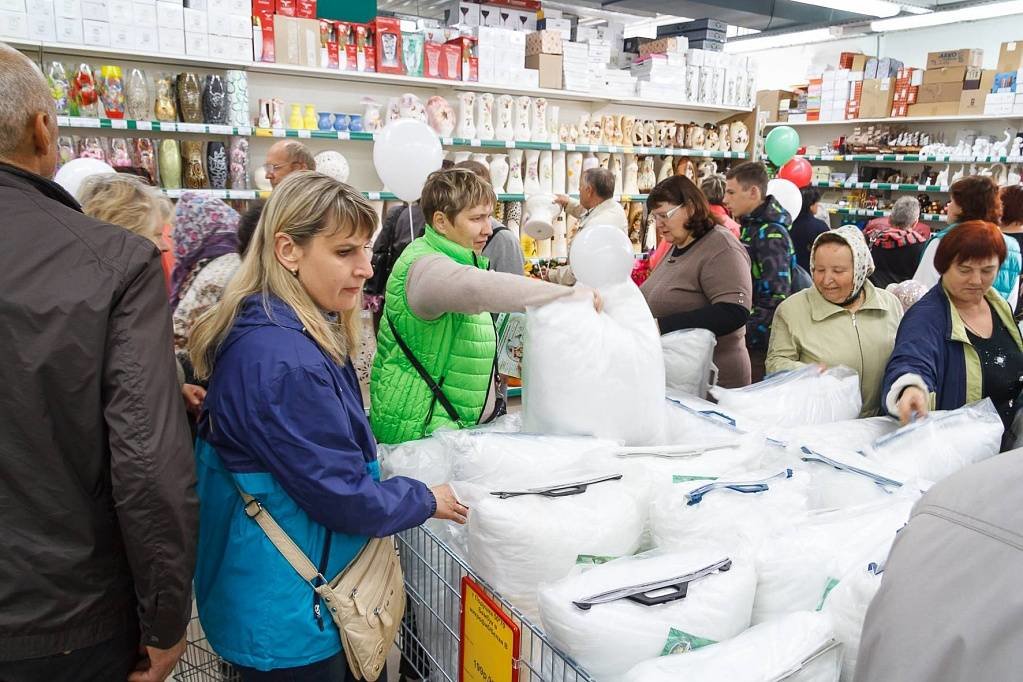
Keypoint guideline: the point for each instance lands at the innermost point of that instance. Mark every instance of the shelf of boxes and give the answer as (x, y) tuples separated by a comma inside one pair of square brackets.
[(253, 194), (873, 213), (913, 158), (882, 186), (348, 136), (902, 119)]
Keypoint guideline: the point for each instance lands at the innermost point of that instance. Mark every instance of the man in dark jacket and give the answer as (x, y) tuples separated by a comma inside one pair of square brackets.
[(765, 234), (97, 499)]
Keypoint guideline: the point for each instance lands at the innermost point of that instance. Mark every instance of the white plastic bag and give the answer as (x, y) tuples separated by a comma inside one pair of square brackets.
[(689, 361), (594, 374), (517, 543), (847, 604), (842, 478), (798, 647), (940, 445), (797, 568), (608, 639), (851, 434), (800, 397), (745, 507)]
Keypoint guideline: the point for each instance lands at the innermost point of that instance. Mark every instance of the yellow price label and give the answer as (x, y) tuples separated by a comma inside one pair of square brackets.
[(490, 639)]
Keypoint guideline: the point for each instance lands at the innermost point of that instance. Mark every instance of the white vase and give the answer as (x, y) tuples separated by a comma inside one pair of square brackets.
[(666, 170), (616, 170), (560, 247), (466, 113), (522, 118), (538, 124), (559, 184), (604, 159), (505, 130), (481, 159), (546, 170), (590, 161), (553, 112), (573, 171), (531, 175), (543, 249), (630, 181), (498, 172), (514, 185), (485, 116)]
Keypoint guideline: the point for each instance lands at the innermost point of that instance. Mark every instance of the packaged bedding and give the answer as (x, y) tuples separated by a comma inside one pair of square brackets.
[(689, 361), (796, 398)]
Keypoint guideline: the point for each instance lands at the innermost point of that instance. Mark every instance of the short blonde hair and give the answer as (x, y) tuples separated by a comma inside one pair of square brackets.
[(454, 190), (126, 201)]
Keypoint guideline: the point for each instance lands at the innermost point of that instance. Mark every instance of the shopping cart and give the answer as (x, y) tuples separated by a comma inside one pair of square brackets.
[(200, 663)]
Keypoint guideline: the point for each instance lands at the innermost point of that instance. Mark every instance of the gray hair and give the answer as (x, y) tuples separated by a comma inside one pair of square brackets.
[(905, 212), (713, 187), (299, 153), (601, 180), (24, 94)]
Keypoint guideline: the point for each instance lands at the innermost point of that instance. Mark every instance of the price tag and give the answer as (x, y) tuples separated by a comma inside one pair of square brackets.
[(509, 145), (191, 128), (174, 193), (475, 143), (305, 134), (873, 184), (555, 147), (569, 147), (900, 157), (628, 150), (594, 147), (490, 639), (80, 122), (143, 125), (118, 124), (279, 132), (244, 130), (447, 140), (373, 196), (644, 150), (241, 194), (614, 150), (219, 129), (63, 121), (344, 135)]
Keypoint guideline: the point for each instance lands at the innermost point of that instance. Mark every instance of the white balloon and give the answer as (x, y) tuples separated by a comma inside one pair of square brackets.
[(406, 151), (541, 211), (787, 194), (333, 164), (74, 172), (601, 256)]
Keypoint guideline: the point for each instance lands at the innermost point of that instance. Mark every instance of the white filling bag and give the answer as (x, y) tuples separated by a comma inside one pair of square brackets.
[(689, 361), (517, 543), (609, 638), (842, 478), (800, 397), (594, 374), (798, 647), (940, 445), (847, 604), (746, 507), (797, 568), (851, 434)]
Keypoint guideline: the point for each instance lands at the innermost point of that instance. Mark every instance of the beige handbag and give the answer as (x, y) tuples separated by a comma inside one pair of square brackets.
[(366, 600)]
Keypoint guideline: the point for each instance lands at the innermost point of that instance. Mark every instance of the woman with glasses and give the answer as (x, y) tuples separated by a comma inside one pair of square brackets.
[(704, 280)]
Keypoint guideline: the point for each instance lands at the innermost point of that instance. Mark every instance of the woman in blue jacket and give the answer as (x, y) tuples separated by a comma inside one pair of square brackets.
[(284, 421), (958, 344)]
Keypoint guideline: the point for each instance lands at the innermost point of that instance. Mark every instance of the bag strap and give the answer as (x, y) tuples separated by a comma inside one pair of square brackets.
[(434, 387), (281, 540)]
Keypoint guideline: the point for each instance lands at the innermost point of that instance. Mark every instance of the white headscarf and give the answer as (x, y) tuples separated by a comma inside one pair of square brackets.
[(863, 262)]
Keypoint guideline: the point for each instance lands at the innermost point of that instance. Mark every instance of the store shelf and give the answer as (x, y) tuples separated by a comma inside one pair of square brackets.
[(882, 186), (902, 119), (871, 213), (251, 194), (913, 158), (76, 122), (367, 78)]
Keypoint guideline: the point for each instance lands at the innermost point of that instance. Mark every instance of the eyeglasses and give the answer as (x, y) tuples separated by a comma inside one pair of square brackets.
[(274, 167), (666, 216)]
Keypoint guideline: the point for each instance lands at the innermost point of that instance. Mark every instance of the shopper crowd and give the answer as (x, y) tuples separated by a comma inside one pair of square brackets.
[(252, 332)]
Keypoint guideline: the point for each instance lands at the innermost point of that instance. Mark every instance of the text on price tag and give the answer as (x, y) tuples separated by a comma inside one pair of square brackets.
[(490, 639)]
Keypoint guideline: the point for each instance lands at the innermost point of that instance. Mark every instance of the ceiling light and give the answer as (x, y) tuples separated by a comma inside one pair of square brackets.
[(873, 8), (816, 35), (974, 13)]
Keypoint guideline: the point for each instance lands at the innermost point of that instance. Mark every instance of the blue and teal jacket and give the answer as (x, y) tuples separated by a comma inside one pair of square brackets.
[(1008, 272), (765, 234), (285, 423)]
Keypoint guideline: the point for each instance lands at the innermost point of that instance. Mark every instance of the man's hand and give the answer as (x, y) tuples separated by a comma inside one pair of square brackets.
[(562, 200), (156, 665), (194, 396)]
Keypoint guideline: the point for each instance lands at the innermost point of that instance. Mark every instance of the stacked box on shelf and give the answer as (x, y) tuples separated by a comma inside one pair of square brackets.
[(813, 100), (702, 34), (941, 90), (40, 20), (770, 104), (545, 54), (907, 90), (852, 107), (501, 57), (576, 67), (619, 82), (877, 97), (834, 94), (976, 88)]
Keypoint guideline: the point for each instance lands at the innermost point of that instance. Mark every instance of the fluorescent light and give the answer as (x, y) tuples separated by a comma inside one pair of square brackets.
[(989, 11), (873, 8), (816, 35)]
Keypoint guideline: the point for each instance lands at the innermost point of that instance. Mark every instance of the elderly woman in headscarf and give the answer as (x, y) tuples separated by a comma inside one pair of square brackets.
[(842, 319), (206, 256)]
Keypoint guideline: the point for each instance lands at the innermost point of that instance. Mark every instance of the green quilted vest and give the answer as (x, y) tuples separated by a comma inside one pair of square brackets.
[(457, 350)]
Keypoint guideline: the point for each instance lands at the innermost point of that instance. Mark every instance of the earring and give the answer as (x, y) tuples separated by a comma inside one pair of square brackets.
[(295, 273)]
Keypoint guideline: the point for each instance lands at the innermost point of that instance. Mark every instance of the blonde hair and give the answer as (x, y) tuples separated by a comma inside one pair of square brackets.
[(304, 205), (452, 191), (124, 200)]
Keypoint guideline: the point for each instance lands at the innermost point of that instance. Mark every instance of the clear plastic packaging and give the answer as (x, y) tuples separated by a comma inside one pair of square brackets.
[(797, 398), (847, 605), (689, 361)]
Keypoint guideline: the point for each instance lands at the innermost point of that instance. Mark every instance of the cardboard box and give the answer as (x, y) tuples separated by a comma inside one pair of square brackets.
[(432, 54), (1010, 56), (170, 16), (769, 102), (121, 34), (42, 27), (966, 57), (119, 11), (939, 92), (562, 27), (13, 24), (971, 103), (691, 26), (549, 67), (285, 8), (387, 32), (95, 33), (675, 44), (238, 26), (469, 57), (17, 6), (462, 14), (1005, 82), (70, 9), (147, 39), (877, 98), (544, 42), (950, 74), (95, 10), (68, 30), (171, 40), (451, 61), (708, 45), (197, 44), (934, 109), (144, 14), (196, 21)]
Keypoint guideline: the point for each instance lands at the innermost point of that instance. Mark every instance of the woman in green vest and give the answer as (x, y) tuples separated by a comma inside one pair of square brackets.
[(437, 346)]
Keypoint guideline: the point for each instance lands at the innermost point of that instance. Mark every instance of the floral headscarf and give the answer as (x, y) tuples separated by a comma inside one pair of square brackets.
[(204, 229), (863, 262)]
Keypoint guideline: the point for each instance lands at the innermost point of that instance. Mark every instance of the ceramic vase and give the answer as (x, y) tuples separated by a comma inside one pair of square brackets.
[(214, 100), (617, 164), (355, 123), (604, 160), (531, 173), (165, 105), (84, 98), (538, 121), (239, 168), (323, 121), (340, 122), (647, 176), (590, 161), (57, 80), (522, 109), (295, 120), (481, 159), (630, 178), (466, 115), (573, 171), (553, 112), (238, 98), (498, 172), (170, 164), (514, 185), (485, 116), (216, 165), (546, 171), (111, 90), (136, 96), (143, 156), (309, 120), (559, 180), (372, 115), (189, 98), (543, 249), (440, 116), (193, 174), (666, 170), (504, 129), (276, 113)]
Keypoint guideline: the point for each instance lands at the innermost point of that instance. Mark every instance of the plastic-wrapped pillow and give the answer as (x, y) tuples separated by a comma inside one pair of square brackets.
[(744, 507), (608, 639), (706, 408), (798, 647), (850, 434), (843, 478), (796, 398), (428, 460), (519, 542), (941, 444), (594, 374), (847, 604), (797, 568), (689, 361)]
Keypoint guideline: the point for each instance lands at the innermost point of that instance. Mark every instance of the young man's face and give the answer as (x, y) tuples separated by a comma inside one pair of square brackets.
[(740, 200), (471, 227)]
